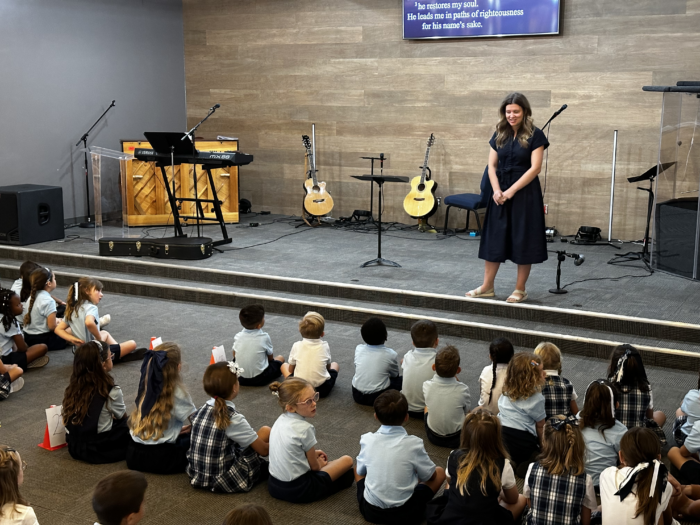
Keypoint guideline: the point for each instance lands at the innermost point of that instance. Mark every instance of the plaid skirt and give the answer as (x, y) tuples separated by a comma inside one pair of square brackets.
[(653, 425), (678, 434)]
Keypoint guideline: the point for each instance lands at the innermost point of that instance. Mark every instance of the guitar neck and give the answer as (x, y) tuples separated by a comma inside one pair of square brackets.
[(425, 165)]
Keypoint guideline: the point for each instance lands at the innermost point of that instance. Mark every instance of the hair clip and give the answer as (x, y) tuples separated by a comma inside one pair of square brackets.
[(557, 423), (534, 363), (235, 369), (276, 394), (75, 292)]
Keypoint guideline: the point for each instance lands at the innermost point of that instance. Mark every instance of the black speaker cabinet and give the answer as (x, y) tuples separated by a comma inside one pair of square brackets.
[(30, 213), (676, 223)]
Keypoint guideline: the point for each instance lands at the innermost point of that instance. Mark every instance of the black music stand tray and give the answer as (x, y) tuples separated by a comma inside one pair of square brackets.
[(380, 180), (170, 144)]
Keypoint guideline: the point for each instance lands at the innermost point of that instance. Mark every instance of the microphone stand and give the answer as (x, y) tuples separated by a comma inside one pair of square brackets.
[(190, 133), (83, 139)]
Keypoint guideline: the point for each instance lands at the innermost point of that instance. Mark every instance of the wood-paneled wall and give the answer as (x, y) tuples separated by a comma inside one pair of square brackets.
[(276, 66)]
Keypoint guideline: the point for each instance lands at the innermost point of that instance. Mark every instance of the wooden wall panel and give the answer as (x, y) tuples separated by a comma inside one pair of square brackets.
[(278, 66)]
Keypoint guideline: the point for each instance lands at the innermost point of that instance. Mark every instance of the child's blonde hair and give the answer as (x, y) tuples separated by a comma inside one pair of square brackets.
[(481, 438), (9, 481), (289, 391), (153, 425), (550, 354), (312, 325), (523, 378), (563, 448), (85, 286), (219, 382)]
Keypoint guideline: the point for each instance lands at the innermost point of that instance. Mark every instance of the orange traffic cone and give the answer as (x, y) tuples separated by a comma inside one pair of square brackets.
[(47, 441)]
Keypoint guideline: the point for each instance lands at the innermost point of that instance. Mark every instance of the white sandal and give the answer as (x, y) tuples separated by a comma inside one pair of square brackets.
[(515, 298), (478, 293)]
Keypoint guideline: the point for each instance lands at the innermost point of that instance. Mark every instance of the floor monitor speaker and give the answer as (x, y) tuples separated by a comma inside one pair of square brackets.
[(30, 213)]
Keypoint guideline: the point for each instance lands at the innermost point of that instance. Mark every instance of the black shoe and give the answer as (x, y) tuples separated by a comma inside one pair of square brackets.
[(136, 355)]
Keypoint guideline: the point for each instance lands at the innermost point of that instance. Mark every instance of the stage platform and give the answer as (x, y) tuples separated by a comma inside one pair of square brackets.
[(292, 270)]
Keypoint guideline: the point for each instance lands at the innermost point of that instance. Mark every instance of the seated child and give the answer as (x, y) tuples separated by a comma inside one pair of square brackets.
[(418, 364), (252, 349), (630, 497), (602, 433), (14, 509), (40, 320), (521, 409), (559, 394), (298, 472), (94, 412), (376, 365), (158, 430), (687, 415), (447, 400), (685, 458), (119, 498), (395, 476), (491, 379), (82, 321), (225, 451), (482, 483), (11, 380), (310, 358), (627, 373), (557, 487), (23, 288), (13, 347), (248, 514)]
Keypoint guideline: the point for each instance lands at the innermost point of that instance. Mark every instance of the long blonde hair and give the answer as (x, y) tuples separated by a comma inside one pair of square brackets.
[(481, 438), (504, 131), (563, 450), (85, 286), (523, 378), (9, 480), (152, 426)]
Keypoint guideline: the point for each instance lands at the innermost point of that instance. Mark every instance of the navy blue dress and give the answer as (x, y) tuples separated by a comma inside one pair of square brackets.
[(515, 230)]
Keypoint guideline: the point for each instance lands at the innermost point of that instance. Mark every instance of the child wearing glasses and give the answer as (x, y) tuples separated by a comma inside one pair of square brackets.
[(93, 408), (224, 454), (298, 472), (13, 507), (395, 476)]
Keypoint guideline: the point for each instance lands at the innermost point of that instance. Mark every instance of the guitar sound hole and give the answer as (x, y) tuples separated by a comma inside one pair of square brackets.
[(316, 189), (421, 187)]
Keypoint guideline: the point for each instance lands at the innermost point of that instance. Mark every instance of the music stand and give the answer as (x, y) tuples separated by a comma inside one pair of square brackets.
[(643, 256), (380, 180)]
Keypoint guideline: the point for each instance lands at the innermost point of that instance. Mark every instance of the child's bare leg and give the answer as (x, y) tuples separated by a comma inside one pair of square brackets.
[(334, 366), (285, 370), (682, 506), (107, 338), (338, 467), (35, 352), (264, 434), (437, 480), (126, 347), (279, 358), (15, 373), (676, 458), (517, 508), (660, 418), (680, 413)]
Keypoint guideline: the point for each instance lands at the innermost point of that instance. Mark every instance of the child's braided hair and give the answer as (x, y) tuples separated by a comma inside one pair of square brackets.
[(5, 309)]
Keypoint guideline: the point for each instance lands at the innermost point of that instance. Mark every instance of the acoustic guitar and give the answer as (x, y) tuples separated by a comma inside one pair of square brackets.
[(420, 201), (317, 200)]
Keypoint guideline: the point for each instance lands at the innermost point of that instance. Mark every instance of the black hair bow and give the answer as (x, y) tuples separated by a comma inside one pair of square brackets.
[(630, 480), (151, 379), (557, 423)]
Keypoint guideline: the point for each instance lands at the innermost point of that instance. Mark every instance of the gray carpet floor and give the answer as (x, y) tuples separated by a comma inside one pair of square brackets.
[(431, 263), (60, 488)]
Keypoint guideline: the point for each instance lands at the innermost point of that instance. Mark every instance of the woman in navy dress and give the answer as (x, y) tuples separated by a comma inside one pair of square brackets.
[(514, 225)]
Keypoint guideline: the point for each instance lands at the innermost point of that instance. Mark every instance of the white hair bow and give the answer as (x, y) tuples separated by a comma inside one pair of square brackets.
[(75, 290), (235, 369)]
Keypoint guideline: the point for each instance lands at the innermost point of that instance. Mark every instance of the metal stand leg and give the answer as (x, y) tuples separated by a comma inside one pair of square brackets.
[(173, 204), (379, 261)]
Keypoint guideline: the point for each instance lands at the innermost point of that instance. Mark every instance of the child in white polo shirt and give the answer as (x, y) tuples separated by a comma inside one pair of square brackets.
[(376, 365), (310, 358), (252, 349), (395, 476), (418, 364), (447, 400)]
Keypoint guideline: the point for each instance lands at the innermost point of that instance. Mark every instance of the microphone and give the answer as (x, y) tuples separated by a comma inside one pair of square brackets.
[(113, 103), (556, 114), (215, 106), (579, 259), (381, 163)]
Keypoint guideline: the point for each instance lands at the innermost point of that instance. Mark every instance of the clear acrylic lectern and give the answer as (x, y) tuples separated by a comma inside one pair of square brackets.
[(676, 227), (109, 155)]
